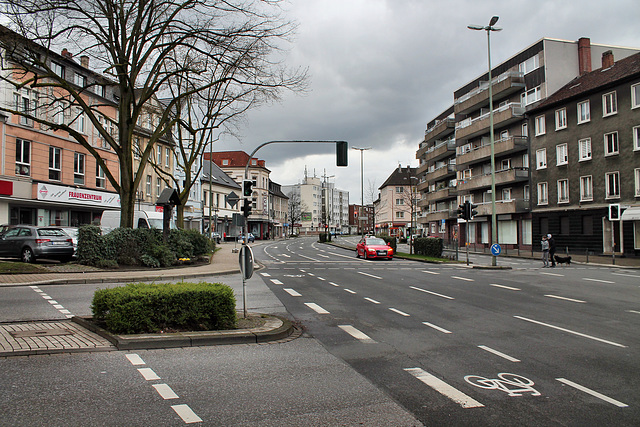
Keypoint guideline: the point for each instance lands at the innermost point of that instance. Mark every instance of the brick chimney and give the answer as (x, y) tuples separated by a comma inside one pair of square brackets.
[(66, 53), (584, 55), (607, 59), (84, 61)]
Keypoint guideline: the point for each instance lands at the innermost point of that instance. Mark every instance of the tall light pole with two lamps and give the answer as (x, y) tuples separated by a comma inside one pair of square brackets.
[(361, 210), (494, 229)]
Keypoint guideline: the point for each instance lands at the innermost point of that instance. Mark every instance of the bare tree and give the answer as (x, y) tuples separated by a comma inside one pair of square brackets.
[(295, 209), (147, 48)]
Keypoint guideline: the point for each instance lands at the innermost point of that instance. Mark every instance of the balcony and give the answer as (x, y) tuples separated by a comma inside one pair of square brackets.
[(504, 177), (441, 150), (437, 131), (444, 193), (501, 147), (503, 85), (502, 116), (422, 185), (440, 173), (504, 207), (437, 216)]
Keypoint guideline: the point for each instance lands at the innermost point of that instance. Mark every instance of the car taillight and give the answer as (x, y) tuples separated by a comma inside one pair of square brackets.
[(41, 241)]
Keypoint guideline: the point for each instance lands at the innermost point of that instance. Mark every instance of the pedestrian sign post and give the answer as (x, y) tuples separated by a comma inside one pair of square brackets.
[(496, 249), (246, 267)]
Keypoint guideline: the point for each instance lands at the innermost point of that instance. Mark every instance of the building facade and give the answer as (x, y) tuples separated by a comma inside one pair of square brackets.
[(278, 211), (217, 208), (395, 210), (361, 219)]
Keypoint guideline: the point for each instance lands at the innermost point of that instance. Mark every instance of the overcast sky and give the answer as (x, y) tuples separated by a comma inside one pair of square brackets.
[(380, 70)]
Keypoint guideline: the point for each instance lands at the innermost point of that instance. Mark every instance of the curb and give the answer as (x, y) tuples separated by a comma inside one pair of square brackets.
[(276, 328)]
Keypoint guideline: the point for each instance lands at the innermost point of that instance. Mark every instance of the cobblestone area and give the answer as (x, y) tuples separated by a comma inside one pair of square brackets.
[(48, 337)]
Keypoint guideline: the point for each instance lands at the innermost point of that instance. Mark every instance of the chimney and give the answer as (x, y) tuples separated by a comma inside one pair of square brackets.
[(66, 53), (84, 61), (607, 59), (584, 55)]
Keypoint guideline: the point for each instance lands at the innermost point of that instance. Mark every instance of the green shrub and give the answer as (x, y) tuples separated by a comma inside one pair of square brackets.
[(429, 246), (180, 244), (150, 308), (201, 243), (90, 245)]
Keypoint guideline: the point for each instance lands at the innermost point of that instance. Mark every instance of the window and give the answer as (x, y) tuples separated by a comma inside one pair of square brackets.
[(57, 69), (543, 193), (636, 138), (531, 96), (159, 186), (506, 194), (527, 193), (612, 183), (149, 186), (79, 122), (525, 160), (58, 113), (399, 214), (23, 105), (399, 201), (54, 163), (540, 125), (78, 168), (23, 157), (167, 156), (562, 156), (99, 90), (504, 135), (563, 191), (505, 164), (159, 156), (636, 174), (610, 143), (80, 80), (225, 162), (609, 104), (529, 65), (541, 158), (586, 188), (525, 129), (635, 96), (584, 112), (100, 179), (561, 118), (584, 149), (399, 189), (136, 148)]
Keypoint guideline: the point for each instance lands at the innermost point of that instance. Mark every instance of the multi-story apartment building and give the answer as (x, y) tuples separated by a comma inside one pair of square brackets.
[(585, 146), (216, 187), (437, 183), (278, 210), (233, 163), (519, 84), (335, 207), (309, 192), (46, 176), (361, 219), (395, 209)]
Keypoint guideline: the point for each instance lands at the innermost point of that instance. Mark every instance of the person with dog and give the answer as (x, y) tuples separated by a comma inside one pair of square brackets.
[(552, 249), (545, 252)]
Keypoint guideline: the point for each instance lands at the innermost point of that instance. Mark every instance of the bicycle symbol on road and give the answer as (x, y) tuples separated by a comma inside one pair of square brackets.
[(502, 383)]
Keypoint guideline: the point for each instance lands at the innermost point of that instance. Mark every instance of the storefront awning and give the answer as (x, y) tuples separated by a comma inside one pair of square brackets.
[(631, 214)]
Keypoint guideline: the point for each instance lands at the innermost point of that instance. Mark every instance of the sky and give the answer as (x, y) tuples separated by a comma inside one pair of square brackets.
[(380, 70)]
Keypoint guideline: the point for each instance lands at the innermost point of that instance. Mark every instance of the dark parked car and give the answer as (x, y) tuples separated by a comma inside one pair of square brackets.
[(29, 243)]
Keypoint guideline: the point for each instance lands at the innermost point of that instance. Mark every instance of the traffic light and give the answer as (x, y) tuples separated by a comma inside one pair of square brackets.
[(614, 212), (247, 188), (471, 209), (342, 148), (246, 207), (462, 211)]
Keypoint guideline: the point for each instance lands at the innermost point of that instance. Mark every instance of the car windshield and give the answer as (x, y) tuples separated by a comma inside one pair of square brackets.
[(375, 241), (51, 232)]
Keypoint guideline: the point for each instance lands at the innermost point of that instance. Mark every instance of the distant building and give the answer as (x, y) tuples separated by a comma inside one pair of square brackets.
[(361, 219), (395, 210), (216, 186), (278, 210)]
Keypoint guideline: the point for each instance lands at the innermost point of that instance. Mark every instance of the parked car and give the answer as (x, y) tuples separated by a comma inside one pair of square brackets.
[(251, 238), (373, 247), (29, 243), (73, 233)]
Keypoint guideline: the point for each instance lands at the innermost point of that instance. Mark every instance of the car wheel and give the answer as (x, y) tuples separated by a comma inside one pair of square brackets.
[(28, 256), (357, 254), (364, 253)]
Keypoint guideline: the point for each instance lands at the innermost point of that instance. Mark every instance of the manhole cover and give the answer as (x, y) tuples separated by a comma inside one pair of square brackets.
[(40, 333)]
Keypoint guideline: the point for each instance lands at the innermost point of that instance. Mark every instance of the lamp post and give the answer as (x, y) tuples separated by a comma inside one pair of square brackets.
[(360, 211), (494, 227)]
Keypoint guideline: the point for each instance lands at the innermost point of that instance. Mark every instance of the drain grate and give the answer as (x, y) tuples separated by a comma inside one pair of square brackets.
[(41, 333)]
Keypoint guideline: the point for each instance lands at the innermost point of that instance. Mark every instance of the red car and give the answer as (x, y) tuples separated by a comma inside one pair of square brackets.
[(373, 247)]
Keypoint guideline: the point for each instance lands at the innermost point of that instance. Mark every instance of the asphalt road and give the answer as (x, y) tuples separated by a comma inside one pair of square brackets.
[(460, 346)]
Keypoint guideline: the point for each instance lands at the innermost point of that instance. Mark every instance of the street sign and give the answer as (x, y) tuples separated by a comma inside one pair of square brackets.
[(232, 199), (496, 249), (246, 261)]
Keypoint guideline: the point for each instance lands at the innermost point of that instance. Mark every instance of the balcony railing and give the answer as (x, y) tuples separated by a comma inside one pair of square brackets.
[(469, 128), (441, 172), (503, 85), (503, 177), (439, 129), (501, 146), (503, 207), (440, 150), (443, 193)]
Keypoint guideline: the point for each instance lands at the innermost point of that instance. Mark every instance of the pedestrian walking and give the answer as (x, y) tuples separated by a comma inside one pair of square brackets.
[(552, 249), (545, 252)]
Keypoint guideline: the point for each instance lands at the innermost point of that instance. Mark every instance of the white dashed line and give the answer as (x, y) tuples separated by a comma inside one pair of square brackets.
[(370, 275), (292, 292), (276, 282), (552, 274), (430, 272), (315, 307), (402, 313), (165, 391), (186, 413), (431, 293), (633, 311), (504, 287), (498, 353), (372, 300), (265, 274), (598, 280), (437, 328), (350, 291), (148, 374), (592, 393), (357, 334), (135, 359), (571, 332), (334, 284), (444, 388), (566, 299), (463, 278)]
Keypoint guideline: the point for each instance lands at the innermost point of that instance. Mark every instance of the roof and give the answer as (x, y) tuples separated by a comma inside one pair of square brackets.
[(236, 159), (276, 190), (621, 70), (400, 176), (218, 175)]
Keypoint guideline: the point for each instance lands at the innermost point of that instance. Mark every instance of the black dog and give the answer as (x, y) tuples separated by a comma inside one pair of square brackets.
[(563, 259)]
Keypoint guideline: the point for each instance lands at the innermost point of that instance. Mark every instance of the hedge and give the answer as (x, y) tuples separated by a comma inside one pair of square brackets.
[(151, 308), (428, 246)]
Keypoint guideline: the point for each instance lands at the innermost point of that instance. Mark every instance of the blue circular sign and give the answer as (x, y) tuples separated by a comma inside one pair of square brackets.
[(496, 249)]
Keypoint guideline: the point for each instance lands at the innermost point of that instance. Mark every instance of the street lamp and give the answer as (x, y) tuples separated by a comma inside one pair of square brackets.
[(362, 150), (494, 227)]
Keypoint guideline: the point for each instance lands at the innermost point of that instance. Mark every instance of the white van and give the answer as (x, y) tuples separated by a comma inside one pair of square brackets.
[(141, 219)]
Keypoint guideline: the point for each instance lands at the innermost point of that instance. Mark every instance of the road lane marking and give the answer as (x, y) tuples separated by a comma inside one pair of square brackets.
[(322, 278), (498, 353), (552, 274), (372, 300), (135, 359), (311, 274), (444, 388), (592, 393), (324, 256), (357, 334), (292, 292), (148, 374), (598, 280), (462, 278), (315, 307), (504, 287), (186, 413), (438, 328), (430, 272), (566, 299), (276, 282), (370, 275), (571, 332), (633, 311), (334, 284), (402, 313), (625, 275), (265, 274), (432, 293), (350, 291), (165, 391)]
